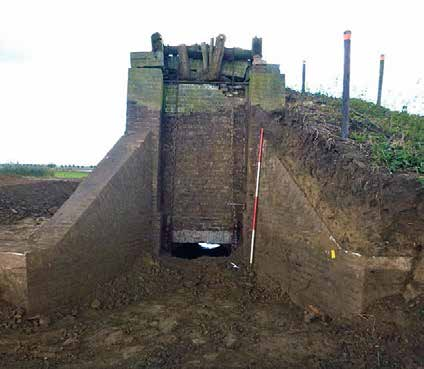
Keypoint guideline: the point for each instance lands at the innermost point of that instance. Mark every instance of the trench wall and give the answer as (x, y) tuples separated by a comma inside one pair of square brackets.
[(13, 278), (294, 246), (300, 250)]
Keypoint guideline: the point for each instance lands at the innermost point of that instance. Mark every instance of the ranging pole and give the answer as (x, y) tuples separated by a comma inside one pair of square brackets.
[(303, 76), (255, 205), (346, 85), (380, 79)]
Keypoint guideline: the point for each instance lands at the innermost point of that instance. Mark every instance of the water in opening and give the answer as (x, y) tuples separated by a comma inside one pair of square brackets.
[(197, 250)]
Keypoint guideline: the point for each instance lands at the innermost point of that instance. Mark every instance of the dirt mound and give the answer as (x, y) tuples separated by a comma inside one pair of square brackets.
[(23, 197)]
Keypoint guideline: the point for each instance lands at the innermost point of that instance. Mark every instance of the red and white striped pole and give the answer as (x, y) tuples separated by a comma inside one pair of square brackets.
[(255, 205)]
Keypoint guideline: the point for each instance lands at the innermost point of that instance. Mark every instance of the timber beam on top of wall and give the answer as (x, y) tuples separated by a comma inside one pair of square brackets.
[(194, 82), (195, 52)]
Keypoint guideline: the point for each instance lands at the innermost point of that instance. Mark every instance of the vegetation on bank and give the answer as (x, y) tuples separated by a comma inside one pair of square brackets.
[(47, 171), (396, 138), (25, 170)]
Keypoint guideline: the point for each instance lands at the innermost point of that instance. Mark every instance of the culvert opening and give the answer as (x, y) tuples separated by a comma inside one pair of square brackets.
[(197, 250)]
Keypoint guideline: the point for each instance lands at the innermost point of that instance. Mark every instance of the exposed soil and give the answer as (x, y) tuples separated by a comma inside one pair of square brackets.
[(22, 197), (205, 313), (14, 237)]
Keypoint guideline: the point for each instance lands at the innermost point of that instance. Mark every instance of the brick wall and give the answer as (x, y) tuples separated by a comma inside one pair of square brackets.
[(267, 87), (293, 246), (98, 231), (144, 114), (198, 98), (294, 243), (203, 161), (199, 166)]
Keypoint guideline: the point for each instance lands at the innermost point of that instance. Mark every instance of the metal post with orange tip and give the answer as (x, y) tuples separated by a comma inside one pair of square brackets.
[(346, 86), (380, 79), (303, 76)]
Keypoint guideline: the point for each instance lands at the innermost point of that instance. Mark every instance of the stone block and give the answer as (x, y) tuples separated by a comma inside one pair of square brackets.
[(266, 87), (147, 59), (237, 68), (145, 87)]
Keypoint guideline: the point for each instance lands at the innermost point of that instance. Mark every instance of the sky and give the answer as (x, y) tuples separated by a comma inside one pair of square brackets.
[(64, 64)]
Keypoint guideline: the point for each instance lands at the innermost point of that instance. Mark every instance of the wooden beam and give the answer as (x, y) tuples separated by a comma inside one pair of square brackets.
[(211, 48), (184, 62), (205, 58), (217, 57), (257, 46), (195, 52), (157, 43)]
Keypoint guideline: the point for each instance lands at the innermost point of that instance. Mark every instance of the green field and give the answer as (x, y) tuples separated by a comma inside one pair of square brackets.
[(26, 170), (68, 174)]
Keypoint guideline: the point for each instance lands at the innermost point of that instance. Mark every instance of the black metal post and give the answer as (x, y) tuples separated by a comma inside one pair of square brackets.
[(303, 76), (346, 86), (380, 79)]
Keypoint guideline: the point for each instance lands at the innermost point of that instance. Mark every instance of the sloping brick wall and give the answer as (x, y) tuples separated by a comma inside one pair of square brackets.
[(144, 114), (293, 246), (98, 231), (297, 251)]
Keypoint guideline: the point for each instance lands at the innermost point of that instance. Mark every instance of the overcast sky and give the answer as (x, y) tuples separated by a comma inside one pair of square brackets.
[(63, 64)]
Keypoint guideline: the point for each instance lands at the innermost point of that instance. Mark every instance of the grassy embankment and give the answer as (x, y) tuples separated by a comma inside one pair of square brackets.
[(396, 139)]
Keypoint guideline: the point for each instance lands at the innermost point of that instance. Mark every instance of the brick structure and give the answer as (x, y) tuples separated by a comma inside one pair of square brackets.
[(295, 246), (171, 178), (184, 172)]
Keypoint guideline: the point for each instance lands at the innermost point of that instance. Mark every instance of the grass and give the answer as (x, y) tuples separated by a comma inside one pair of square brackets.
[(396, 138), (69, 174), (40, 171)]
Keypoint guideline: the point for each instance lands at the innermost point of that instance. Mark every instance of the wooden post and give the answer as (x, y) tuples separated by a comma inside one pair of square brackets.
[(157, 43), (205, 58), (257, 46), (184, 63), (216, 62), (211, 47), (380, 79), (303, 76), (346, 86)]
